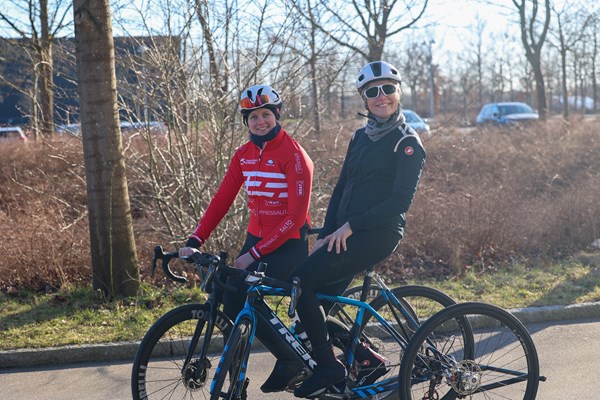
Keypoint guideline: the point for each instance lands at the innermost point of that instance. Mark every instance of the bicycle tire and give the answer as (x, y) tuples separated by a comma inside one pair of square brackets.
[(157, 368), (503, 363), (233, 360)]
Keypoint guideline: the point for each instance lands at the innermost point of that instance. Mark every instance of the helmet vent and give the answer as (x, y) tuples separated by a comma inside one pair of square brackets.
[(376, 67)]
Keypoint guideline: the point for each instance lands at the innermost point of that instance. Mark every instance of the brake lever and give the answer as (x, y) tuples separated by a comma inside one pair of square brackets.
[(158, 255), (208, 277)]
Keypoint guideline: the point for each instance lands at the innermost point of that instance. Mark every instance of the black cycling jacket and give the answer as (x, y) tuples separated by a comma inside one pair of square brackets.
[(377, 183)]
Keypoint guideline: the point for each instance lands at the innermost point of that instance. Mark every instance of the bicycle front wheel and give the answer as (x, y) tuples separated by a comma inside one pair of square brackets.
[(227, 383), (159, 370), (503, 363)]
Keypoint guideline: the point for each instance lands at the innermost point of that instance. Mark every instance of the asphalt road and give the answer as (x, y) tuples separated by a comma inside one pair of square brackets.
[(569, 353)]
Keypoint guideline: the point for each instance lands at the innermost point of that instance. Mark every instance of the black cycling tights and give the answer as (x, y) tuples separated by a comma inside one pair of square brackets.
[(330, 273), (279, 264)]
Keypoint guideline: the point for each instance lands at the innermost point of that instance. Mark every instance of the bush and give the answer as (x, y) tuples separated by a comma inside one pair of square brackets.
[(487, 198)]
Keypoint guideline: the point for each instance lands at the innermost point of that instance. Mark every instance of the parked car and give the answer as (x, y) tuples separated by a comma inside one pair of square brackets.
[(69, 129), (417, 123), (127, 128), (506, 113), (12, 133), (154, 127)]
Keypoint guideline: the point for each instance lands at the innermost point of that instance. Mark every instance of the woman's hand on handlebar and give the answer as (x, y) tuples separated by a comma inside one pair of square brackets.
[(186, 252), (243, 261)]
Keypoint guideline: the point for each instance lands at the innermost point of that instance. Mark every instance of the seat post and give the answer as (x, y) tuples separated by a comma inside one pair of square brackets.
[(368, 279)]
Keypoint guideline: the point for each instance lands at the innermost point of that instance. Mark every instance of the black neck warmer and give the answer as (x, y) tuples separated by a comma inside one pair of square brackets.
[(260, 140)]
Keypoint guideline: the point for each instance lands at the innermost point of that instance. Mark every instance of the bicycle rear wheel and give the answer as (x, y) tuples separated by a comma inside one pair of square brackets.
[(503, 363), (419, 302), (158, 369), (227, 384)]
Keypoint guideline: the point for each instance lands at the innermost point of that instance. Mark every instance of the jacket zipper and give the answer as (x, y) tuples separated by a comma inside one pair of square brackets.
[(258, 198)]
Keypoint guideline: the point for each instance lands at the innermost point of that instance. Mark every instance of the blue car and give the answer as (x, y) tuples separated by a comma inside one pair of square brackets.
[(506, 113)]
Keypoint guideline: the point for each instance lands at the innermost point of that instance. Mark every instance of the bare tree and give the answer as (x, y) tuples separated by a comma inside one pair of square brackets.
[(570, 28), (478, 46), (594, 57), (114, 258), (218, 76), (504, 68), (37, 33), (415, 69), (364, 27), (310, 45), (200, 85), (534, 20)]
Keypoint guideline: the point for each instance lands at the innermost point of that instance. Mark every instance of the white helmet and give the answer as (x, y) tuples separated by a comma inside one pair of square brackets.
[(259, 96), (375, 71)]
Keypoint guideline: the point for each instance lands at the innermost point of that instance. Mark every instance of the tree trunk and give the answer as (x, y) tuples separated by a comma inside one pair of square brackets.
[(114, 259), (533, 44), (565, 93), (314, 81), (46, 71), (540, 90), (315, 96), (594, 79)]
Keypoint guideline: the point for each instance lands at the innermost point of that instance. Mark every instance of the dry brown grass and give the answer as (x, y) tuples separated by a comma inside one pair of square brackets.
[(497, 196), (43, 216), (487, 198)]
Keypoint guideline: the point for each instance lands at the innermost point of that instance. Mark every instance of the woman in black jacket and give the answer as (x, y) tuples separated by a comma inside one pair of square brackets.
[(366, 214)]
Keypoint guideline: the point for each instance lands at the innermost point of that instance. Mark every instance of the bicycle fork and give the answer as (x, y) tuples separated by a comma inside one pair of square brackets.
[(194, 371)]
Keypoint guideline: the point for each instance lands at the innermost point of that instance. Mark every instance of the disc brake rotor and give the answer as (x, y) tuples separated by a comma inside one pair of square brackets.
[(196, 373)]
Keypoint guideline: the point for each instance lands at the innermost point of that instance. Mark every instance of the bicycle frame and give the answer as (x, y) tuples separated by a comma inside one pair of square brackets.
[(388, 295), (256, 308)]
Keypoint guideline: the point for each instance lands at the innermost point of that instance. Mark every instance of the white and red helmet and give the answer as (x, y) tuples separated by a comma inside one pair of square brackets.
[(376, 71), (260, 96)]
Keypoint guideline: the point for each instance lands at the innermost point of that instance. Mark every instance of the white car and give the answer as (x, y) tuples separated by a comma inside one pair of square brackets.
[(506, 113), (69, 129), (12, 133)]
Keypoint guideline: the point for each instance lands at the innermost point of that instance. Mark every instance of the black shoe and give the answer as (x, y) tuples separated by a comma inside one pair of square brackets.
[(371, 365), (283, 372), (322, 377)]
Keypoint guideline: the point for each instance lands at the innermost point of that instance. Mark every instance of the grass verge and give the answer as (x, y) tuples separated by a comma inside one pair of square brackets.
[(79, 316)]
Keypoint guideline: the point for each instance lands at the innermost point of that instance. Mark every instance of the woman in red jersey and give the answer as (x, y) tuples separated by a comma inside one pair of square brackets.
[(277, 175)]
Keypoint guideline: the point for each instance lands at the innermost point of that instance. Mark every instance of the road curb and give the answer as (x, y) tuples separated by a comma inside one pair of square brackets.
[(557, 313), (125, 351)]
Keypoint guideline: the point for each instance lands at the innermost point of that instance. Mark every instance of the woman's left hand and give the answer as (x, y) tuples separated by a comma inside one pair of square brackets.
[(338, 238), (243, 261)]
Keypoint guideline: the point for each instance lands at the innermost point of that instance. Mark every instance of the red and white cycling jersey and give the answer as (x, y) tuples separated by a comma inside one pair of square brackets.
[(278, 181)]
